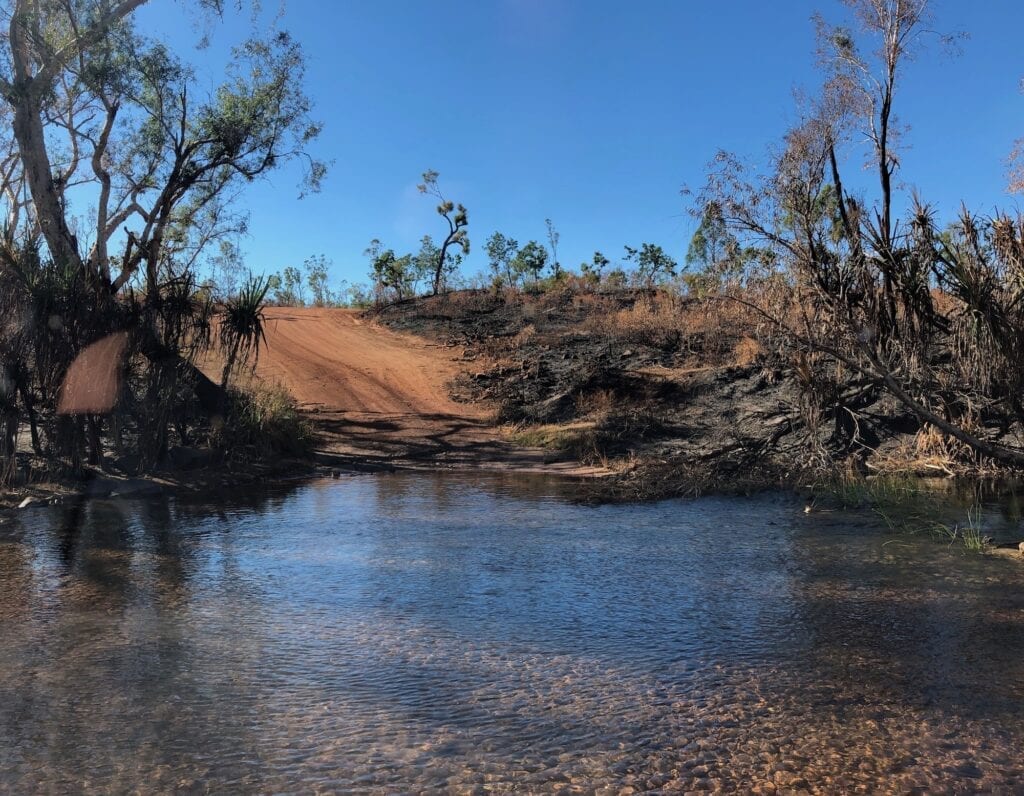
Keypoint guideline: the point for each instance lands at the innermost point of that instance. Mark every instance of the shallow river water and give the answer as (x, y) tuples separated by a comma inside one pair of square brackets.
[(413, 633)]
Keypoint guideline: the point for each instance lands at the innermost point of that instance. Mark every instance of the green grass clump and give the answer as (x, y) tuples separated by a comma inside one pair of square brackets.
[(969, 534), (577, 440), (907, 505), (263, 421), (881, 491)]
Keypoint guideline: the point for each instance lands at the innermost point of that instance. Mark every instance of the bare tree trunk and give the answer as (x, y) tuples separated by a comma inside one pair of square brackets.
[(9, 446), (28, 400), (440, 265), (28, 130)]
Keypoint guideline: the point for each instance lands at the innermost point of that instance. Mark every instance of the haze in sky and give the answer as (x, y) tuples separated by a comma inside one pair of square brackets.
[(589, 112)]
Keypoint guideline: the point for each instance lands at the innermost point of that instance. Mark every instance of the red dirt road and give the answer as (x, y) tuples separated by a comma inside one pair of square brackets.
[(379, 398)]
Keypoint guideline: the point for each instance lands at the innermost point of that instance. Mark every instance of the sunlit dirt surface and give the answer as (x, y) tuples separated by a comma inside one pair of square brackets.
[(375, 398), (416, 632)]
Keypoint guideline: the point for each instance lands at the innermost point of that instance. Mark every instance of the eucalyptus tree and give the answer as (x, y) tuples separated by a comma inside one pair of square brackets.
[(126, 172), (501, 254), (316, 268), (531, 259), (713, 247), (94, 103), (390, 272), (457, 218), (424, 263), (652, 263)]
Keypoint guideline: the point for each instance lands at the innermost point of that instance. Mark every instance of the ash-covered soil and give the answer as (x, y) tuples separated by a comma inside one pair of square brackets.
[(676, 395)]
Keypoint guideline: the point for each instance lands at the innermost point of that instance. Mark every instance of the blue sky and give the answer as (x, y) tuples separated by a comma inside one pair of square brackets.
[(589, 112)]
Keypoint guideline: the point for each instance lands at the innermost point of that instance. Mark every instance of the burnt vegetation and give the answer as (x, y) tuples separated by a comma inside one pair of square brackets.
[(817, 329)]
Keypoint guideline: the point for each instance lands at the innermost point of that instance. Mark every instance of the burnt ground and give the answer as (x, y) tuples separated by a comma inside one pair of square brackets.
[(676, 396)]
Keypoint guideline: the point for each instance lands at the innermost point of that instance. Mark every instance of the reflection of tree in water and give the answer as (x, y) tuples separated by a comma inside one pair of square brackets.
[(17, 579), (123, 634)]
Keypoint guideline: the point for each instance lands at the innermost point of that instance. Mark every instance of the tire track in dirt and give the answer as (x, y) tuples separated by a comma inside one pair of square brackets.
[(377, 398)]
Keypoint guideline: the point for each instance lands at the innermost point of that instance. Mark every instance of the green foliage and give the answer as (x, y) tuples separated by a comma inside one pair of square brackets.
[(392, 273), (241, 325), (501, 254), (226, 269), (653, 265), (616, 279), (263, 422), (103, 109), (457, 218), (531, 260), (969, 534), (424, 262), (357, 296), (907, 505), (715, 257), (288, 288), (593, 270), (713, 247), (316, 269)]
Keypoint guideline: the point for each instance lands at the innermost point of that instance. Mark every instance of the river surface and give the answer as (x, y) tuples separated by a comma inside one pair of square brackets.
[(410, 633)]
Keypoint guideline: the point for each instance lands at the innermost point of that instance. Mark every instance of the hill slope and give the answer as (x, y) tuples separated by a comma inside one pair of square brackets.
[(376, 397)]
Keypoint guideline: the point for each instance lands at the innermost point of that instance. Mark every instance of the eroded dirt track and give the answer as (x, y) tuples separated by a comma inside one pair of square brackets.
[(376, 397)]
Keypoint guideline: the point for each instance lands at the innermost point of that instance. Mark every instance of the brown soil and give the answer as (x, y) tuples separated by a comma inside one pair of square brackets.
[(379, 398)]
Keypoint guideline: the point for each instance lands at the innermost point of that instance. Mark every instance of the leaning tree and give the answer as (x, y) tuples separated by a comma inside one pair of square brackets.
[(879, 301), (457, 218)]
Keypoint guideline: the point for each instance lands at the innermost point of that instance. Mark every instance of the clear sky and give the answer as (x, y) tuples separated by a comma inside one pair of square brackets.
[(591, 112)]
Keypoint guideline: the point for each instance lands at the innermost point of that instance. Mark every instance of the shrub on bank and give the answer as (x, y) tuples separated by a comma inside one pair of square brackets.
[(263, 422)]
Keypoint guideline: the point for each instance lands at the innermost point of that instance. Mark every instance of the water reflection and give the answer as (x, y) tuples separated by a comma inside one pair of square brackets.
[(416, 632)]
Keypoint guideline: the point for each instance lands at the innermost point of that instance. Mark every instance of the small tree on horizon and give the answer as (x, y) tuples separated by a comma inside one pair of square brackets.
[(424, 263), (457, 218), (652, 263), (553, 238), (316, 268), (593, 270), (501, 253), (287, 287), (531, 259)]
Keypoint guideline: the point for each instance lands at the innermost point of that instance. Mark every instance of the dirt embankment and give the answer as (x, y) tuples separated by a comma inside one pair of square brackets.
[(380, 398), (675, 395)]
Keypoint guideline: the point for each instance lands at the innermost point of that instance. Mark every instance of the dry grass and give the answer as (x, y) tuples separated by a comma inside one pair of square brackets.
[(607, 434), (928, 452), (267, 422), (651, 321), (596, 404), (526, 334), (747, 351), (712, 331), (578, 441)]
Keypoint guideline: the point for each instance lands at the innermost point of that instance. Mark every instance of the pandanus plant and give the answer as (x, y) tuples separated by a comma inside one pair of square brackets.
[(241, 325)]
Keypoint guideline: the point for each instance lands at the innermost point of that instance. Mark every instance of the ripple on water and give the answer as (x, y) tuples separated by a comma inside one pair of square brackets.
[(417, 633)]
